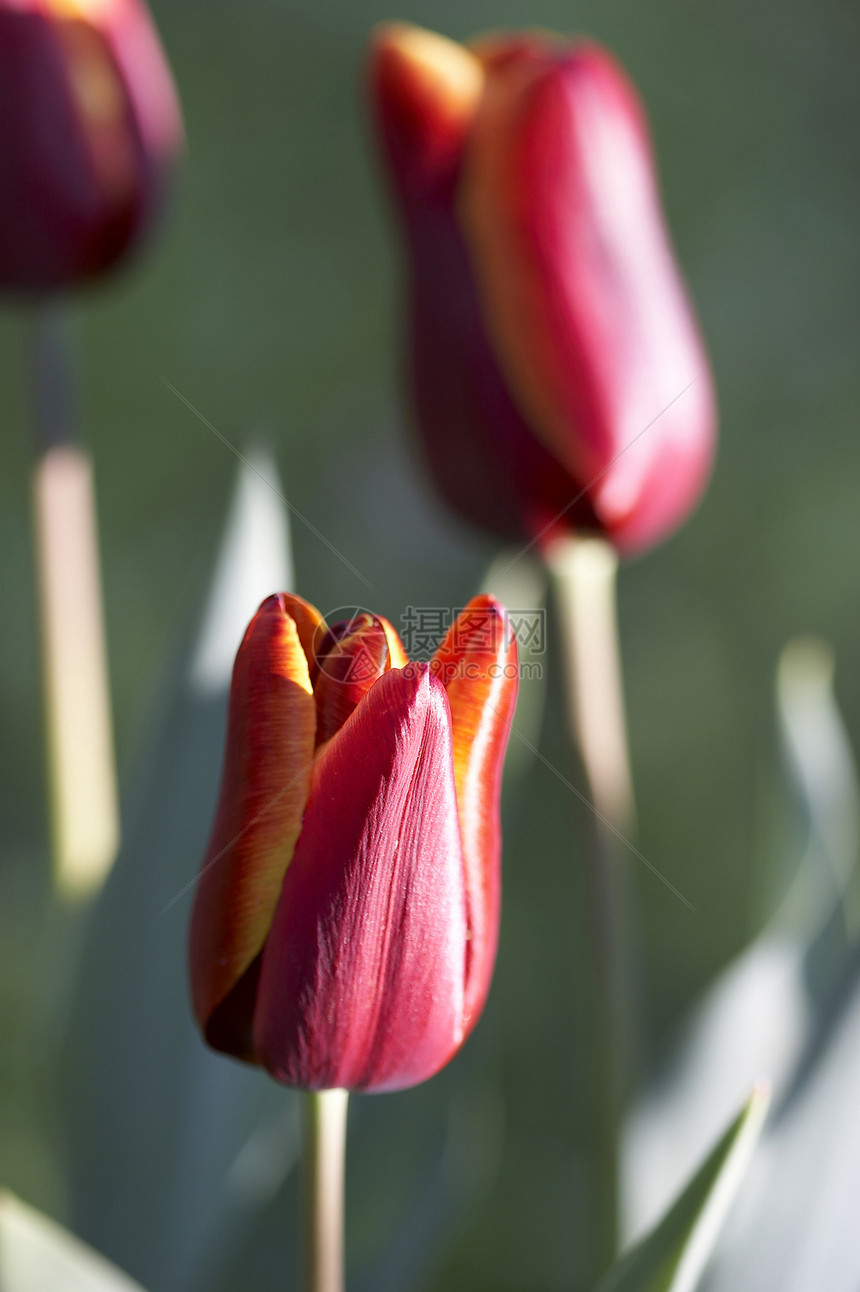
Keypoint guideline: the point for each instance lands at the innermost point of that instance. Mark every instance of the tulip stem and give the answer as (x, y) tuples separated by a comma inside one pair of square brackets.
[(80, 757), (325, 1162), (584, 574)]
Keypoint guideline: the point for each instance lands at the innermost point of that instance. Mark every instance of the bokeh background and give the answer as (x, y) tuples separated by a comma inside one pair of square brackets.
[(270, 302)]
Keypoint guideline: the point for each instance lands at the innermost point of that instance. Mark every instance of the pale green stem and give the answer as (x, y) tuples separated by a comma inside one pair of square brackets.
[(584, 575), (80, 755), (324, 1171)]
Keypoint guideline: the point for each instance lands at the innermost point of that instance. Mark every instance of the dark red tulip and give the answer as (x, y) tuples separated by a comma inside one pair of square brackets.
[(555, 365), (89, 130), (346, 915)]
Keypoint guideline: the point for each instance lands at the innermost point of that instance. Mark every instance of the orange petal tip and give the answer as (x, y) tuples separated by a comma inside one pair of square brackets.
[(427, 90)]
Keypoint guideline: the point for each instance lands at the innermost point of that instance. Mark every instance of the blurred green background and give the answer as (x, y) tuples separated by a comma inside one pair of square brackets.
[(270, 302)]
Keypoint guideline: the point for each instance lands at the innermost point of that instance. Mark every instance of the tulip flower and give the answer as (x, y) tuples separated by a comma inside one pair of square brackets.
[(555, 365), (346, 914), (89, 130)]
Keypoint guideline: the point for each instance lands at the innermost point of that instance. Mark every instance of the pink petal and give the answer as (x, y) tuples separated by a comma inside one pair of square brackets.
[(581, 291), (362, 973)]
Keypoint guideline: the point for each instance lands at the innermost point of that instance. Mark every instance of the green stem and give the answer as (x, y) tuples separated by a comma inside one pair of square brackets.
[(325, 1160), (584, 574)]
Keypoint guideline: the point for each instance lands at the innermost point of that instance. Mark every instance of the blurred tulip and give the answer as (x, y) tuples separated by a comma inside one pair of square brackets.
[(346, 915), (89, 129), (555, 365)]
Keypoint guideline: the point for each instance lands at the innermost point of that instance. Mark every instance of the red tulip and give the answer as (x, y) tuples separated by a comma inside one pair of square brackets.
[(556, 368), (346, 915), (89, 130)]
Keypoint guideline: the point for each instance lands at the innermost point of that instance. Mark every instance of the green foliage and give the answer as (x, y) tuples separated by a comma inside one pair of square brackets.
[(38, 1255), (674, 1255), (789, 1006), (172, 1149)]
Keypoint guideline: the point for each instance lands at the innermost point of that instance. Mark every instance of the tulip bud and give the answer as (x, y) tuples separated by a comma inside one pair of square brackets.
[(89, 131), (346, 914), (556, 369)]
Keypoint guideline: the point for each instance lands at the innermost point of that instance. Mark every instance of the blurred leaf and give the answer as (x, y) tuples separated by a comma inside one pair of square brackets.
[(172, 1147), (38, 1255), (673, 1256), (821, 769), (795, 1227), (763, 1011), (753, 1020)]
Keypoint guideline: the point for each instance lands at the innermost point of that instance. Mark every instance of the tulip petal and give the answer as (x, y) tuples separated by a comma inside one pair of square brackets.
[(496, 50), (89, 134), (347, 671), (425, 90), (580, 290), (264, 788), (399, 658), (477, 663), (310, 625), (483, 456), (362, 974), (484, 459)]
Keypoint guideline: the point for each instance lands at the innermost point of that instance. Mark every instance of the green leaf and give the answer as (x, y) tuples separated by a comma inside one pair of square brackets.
[(822, 774), (37, 1254), (763, 1013), (673, 1257), (797, 1227), (174, 1149)]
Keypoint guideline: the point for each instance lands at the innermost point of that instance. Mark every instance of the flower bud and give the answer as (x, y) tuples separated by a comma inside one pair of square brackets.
[(556, 368), (346, 914), (89, 131)]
